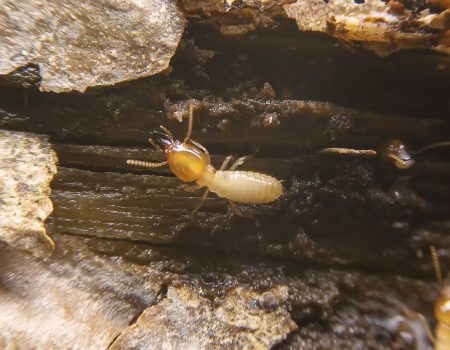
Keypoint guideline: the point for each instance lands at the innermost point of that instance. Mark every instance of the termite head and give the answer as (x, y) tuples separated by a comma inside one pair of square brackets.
[(442, 306), (186, 161), (397, 153)]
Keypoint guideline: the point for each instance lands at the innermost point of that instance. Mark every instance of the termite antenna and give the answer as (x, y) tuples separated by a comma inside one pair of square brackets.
[(167, 131), (145, 164), (433, 145), (191, 122), (436, 264), (365, 153)]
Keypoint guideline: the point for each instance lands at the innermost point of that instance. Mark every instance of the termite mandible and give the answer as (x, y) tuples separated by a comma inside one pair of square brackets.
[(191, 162)]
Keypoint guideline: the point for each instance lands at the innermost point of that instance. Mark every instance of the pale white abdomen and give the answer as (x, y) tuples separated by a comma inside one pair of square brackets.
[(245, 186)]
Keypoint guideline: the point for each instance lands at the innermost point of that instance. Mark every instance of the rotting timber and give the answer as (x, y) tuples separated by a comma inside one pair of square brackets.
[(349, 238)]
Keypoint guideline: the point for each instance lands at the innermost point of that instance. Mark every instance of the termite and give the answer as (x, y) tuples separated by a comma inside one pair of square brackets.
[(191, 162), (394, 151), (441, 307), (441, 337), (442, 312), (398, 153)]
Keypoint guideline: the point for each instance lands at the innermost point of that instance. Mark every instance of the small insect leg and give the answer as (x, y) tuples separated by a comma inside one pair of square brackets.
[(191, 122), (191, 188), (196, 144), (155, 146), (241, 161), (167, 131), (205, 195), (418, 316), (225, 162), (236, 210)]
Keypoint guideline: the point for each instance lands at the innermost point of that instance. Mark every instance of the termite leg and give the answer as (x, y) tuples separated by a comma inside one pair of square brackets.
[(196, 144), (167, 131), (236, 210), (225, 162), (418, 316), (155, 146), (191, 122), (191, 188), (238, 162), (205, 195), (241, 161)]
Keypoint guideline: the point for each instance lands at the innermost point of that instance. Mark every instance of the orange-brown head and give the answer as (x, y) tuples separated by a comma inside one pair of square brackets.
[(186, 161)]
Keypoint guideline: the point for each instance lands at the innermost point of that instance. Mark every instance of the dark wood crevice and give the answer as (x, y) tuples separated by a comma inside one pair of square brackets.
[(346, 232)]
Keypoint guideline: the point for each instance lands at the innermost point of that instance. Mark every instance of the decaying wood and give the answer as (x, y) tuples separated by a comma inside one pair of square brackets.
[(340, 261), (27, 166), (73, 300), (380, 25), (155, 209), (182, 297)]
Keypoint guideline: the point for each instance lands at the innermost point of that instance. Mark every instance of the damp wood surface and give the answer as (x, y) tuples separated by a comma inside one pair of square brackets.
[(153, 296), (341, 260)]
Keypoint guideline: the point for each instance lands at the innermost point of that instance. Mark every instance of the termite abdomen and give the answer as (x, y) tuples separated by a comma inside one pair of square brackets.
[(246, 186)]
